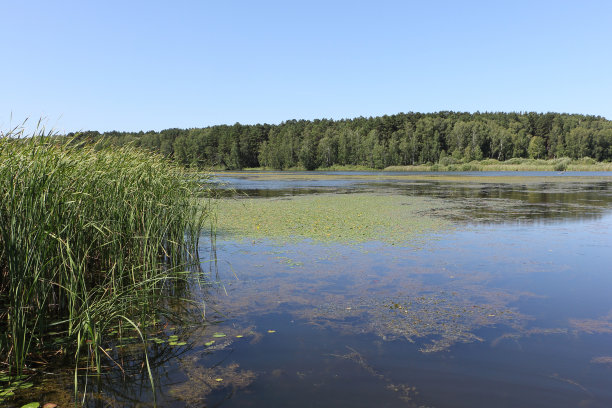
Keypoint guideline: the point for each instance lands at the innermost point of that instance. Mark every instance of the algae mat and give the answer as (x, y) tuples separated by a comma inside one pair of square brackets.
[(342, 218)]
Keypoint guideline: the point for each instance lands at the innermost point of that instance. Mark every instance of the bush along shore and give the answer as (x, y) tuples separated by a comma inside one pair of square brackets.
[(451, 164), (90, 239), (515, 164)]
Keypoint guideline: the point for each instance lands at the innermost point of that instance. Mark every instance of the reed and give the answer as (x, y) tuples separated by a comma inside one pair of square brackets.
[(515, 164), (88, 237)]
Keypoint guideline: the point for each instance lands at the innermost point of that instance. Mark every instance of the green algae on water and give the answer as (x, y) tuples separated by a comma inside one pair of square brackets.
[(341, 218)]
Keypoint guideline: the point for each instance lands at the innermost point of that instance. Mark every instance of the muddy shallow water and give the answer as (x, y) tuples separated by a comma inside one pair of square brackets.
[(500, 297)]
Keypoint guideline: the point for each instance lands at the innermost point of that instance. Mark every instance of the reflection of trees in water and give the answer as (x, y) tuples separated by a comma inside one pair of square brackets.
[(503, 203), (472, 202), (486, 202)]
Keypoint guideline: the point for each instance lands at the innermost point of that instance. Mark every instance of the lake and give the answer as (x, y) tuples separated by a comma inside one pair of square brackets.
[(394, 290)]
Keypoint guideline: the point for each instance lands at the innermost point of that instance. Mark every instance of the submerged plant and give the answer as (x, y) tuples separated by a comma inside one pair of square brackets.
[(88, 237)]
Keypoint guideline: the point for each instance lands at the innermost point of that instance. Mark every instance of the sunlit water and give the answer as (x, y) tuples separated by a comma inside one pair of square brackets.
[(511, 307)]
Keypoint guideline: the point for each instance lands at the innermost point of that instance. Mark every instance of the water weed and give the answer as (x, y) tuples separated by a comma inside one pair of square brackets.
[(344, 218)]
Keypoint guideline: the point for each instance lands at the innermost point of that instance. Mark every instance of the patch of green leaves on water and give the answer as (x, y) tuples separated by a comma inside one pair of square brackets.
[(342, 218), (10, 385)]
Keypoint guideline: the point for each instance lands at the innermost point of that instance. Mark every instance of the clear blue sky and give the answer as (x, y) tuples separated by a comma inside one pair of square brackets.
[(130, 65)]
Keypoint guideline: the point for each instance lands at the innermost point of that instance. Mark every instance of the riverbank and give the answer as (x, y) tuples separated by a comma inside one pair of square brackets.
[(449, 164), (561, 164)]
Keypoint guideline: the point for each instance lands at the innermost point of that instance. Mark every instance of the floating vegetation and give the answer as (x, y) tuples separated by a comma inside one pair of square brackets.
[(9, 386), (526, 333), (404, 392), (356, 295), (343, 218), (602, 325), (202, 381), (443, 319), (606, 360)]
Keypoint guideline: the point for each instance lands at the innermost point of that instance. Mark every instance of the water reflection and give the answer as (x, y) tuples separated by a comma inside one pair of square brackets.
[(509, 308), (534, 198)]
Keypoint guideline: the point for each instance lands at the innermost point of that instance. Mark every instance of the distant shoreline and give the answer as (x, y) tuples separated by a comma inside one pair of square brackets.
[(552, 165)]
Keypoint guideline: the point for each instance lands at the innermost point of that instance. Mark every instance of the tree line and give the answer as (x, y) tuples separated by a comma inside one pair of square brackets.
[(377, 142)]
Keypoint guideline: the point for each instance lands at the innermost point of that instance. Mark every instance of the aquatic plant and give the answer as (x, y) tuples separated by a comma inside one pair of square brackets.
[(332, 218), (88, 237)]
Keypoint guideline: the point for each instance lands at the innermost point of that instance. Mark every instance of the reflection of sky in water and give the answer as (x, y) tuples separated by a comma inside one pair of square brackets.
[(547, 273), (509, 309), (565, 263), (530, 199), (543, 255)]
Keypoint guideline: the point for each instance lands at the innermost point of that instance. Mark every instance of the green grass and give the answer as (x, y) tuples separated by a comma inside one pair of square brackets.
[(88, 238)]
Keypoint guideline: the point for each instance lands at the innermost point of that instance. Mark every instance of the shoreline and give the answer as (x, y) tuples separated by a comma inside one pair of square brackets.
[(512, 165)]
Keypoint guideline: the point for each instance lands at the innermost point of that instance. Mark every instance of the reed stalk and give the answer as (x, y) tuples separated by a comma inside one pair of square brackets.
[(88, 237)]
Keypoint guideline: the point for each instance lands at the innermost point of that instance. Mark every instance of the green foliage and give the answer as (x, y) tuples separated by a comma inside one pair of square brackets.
[(394, 140), (562, 163), (537, 148), (88, 236), (308, 153), (516, 164)]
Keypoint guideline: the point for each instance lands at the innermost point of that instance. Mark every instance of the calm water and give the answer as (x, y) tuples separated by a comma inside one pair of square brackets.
[(511, 307)]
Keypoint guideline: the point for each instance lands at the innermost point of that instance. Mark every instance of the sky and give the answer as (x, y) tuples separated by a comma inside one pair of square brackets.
[(132, 65)]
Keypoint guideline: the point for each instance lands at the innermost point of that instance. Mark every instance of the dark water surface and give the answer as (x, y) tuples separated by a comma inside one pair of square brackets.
[(512, 307)]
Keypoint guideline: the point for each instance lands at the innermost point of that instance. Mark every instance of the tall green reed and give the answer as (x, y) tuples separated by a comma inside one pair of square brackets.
[(88, 237)]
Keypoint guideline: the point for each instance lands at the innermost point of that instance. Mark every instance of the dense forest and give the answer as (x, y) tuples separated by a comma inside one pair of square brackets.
[(377, 142)]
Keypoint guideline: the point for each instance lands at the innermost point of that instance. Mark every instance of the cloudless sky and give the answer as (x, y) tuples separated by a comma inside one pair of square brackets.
[(148, 65)]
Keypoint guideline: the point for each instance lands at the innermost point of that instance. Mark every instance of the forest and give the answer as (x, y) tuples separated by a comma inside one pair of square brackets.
[(376, 142)]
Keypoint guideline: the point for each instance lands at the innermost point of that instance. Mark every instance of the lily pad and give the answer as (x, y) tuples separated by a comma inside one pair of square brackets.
[(345, 218), (218, 335)]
